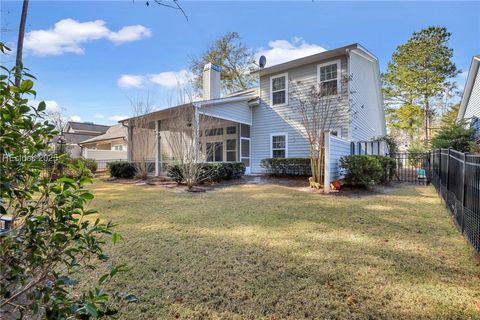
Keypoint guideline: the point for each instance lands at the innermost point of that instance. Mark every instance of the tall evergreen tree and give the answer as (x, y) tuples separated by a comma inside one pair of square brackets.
[(419, 72)]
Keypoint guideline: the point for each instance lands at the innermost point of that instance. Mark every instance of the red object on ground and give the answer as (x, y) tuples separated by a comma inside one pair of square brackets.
[(336, 185)]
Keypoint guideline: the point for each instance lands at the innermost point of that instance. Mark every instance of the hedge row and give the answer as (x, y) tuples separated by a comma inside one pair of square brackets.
[(287, 166), (215, 171)]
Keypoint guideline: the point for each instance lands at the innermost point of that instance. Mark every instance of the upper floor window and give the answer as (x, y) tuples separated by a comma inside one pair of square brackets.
[(329, 78), (278, 89)]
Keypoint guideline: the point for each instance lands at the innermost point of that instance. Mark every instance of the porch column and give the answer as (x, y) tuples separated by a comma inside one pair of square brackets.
[(196, 133), (158, 156)]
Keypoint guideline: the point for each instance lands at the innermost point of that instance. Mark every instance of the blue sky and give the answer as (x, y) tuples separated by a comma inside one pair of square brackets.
[(79, 63)]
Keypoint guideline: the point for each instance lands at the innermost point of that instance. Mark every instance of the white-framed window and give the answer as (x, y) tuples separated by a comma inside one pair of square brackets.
[(231, 130), (279, 89), (231, 149), (118, 147), (214, 151), (279, 145), (329, 78)]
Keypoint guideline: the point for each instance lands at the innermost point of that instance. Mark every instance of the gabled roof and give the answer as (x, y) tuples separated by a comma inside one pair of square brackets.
[(246, 95), (467, 91), (77, 137), (117, 131), (312, 59), (86, 127)]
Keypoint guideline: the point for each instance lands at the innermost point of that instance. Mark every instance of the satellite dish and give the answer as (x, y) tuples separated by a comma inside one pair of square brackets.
[(262, 61)]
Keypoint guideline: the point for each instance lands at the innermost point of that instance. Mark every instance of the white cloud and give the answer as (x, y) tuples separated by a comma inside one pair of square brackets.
[(52, 106), (130, 33), (75, 118), (68, 35), (280, 51), (117, 118), (168, 79), (131, 81), (171, 79), (99, 116)]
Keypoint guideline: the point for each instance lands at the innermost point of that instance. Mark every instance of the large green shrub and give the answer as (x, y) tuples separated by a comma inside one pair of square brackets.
[(122, 169), (287, 166), (214, 171), (458, 136), (389, 166), (53, 238), (362, 170)]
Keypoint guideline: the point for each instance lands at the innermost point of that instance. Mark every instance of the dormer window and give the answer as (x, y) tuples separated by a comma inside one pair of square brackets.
[(278, 90), (329, 78)]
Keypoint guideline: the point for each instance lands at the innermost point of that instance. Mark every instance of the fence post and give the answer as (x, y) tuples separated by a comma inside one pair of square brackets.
[(326, 164), (439, 173), (448, 178), (464, 188)]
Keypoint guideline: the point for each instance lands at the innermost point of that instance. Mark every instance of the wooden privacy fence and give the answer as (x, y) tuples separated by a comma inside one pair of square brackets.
[(456, 176)]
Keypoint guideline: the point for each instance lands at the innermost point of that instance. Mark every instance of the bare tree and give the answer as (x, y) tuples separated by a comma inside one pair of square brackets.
[(143, 135), (319, 112), (187, 132), (58, 119)]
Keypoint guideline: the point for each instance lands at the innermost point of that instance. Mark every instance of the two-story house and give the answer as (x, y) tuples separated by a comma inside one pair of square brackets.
[(262, 122), (470, 105)]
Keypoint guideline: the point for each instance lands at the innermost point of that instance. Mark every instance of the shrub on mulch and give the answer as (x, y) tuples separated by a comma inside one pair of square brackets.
[(210, 172)]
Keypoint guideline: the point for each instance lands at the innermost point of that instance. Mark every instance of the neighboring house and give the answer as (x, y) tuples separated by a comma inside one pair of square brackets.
[(262, 123), (76, 132), (114, 139), (112, 145), (470, 105)]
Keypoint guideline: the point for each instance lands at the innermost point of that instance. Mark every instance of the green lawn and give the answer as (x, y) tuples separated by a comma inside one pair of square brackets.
[(274, 252)]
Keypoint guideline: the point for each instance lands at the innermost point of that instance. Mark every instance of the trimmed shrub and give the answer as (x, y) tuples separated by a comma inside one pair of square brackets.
[(389, 166), (287, 166), (215, 171), (362, 170), (121, 169)]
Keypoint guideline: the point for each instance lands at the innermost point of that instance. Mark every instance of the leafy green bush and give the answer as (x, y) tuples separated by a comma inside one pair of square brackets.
[(389, 166), (54, 238), (214, 171), (362, 170), (122, 169), (457, 136), (287, 166)]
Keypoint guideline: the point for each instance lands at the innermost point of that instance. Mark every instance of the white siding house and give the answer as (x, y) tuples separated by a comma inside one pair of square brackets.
[(266, 119), (470, 105)]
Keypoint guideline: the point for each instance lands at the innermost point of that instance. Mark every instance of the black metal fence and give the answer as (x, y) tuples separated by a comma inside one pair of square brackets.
[(411, 167), (456, 176)]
